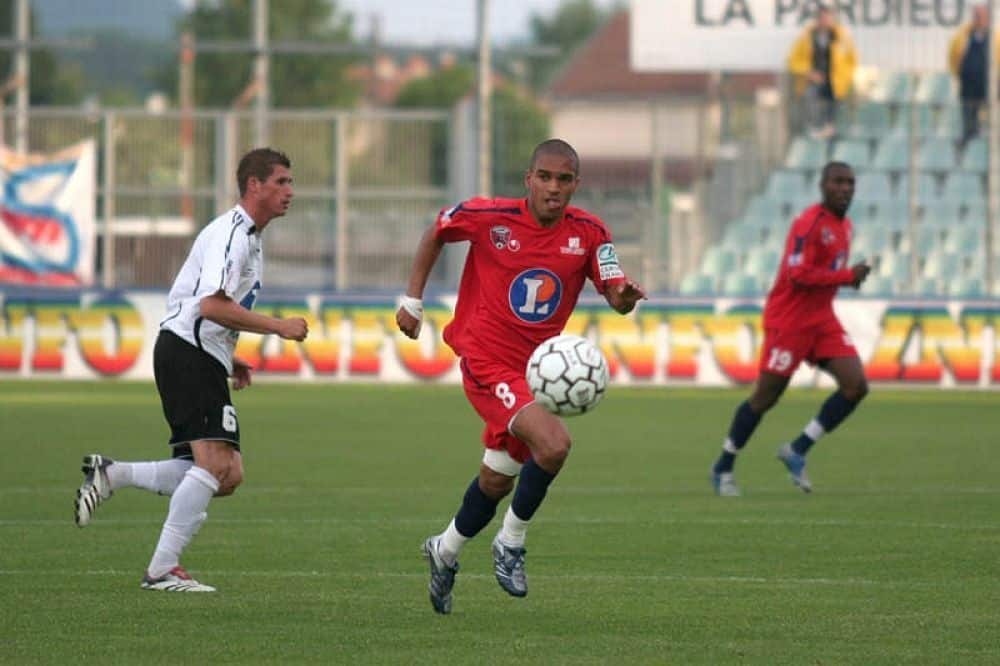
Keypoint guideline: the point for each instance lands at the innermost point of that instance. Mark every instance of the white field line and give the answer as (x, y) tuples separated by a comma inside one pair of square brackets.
[(580, 578), (597, 491), (665, 520)]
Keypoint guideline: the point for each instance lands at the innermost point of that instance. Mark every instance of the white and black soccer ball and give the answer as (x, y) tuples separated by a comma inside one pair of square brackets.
[(568, 375)]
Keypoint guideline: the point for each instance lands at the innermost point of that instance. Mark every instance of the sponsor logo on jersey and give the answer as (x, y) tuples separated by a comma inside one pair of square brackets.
[(607, 262), (534, 295), (573, 247)]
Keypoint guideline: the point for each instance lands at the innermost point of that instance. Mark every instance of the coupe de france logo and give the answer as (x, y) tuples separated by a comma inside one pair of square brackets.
[(535, 295)]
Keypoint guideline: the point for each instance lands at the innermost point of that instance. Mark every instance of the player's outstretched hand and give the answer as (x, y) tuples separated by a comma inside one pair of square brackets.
[(626, 295), (294, 328), (241, 374), (408, 324), (861, 271)]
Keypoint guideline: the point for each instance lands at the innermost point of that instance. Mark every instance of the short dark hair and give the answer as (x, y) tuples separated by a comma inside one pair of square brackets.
[(556, 147), (259, 163), (830, 166)]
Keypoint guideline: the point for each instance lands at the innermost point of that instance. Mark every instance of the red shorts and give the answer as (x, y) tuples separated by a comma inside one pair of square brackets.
[(785, 348), (498, 393)]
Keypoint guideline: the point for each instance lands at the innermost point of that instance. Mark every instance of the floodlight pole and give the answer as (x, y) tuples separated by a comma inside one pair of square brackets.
[(261, 68), (22, 68), (993, 174), (484, 90)]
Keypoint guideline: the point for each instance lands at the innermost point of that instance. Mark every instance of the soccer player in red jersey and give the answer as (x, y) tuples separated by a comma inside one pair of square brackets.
[(528, 260), (800, 325)]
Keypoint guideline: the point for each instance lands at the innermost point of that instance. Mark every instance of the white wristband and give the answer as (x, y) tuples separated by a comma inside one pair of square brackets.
[(413, 306)]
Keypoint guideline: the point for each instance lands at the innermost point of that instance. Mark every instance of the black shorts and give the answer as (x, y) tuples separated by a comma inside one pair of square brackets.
[(194, 391)]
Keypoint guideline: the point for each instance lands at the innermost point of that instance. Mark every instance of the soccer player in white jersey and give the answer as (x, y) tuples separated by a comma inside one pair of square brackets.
[(209, 304)]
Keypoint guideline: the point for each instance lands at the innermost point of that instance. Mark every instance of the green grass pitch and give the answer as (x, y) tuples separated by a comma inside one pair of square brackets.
[(894, 559)]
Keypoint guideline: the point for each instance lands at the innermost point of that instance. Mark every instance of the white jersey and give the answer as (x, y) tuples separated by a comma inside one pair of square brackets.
[(227, 256)]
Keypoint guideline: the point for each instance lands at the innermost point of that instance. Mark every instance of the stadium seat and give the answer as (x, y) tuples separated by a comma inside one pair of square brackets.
[(871, 120), (925, 287), (976, 156), (764, 209), (762, 262), (941, 265), (785, 185), (915, 120), (743, 233), (964, 186), (877, 286), (740, 284), (934, 88), (871, 241), (975, 213), (807, 154), (895, 266), (892, 214), (872, 186), (950, 122), (893, 87), (937, 154), (696, 284), (854, 152), (718, 262), (941, 211), (963, 240), (925, 240), (966, 287), (892, 154), (928, 189)]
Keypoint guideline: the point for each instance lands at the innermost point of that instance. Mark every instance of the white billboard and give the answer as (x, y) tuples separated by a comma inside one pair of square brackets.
[(756, 35), (667, 341)]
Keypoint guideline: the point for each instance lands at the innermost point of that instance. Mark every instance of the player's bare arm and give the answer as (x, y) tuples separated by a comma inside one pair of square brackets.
[(224, 311), (410, 313), (623, 297)]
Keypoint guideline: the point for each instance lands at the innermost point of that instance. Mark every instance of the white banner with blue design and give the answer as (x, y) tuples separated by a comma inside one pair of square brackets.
[(47, 228)]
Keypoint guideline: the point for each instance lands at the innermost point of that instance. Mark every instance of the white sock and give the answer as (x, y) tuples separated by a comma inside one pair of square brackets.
[(187, 513), (814, 430), (161, 476), (514, 529), (450, 543)]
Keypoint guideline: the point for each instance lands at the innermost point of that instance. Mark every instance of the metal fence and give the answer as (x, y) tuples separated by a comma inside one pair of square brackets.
[(367, 184), (702, 208)]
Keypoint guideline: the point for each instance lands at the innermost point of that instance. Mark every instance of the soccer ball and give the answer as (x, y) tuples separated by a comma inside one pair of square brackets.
[(568, 375)]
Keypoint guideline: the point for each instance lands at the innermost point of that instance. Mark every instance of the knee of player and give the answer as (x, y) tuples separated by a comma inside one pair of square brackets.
[(856, 391), (554, 450), (494, 484)]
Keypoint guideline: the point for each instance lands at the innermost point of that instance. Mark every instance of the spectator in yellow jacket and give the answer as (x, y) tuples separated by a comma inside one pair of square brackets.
[(968, 57), (823, 59)]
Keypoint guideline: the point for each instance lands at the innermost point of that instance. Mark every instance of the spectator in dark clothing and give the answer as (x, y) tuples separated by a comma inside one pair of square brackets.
[(969, 60)]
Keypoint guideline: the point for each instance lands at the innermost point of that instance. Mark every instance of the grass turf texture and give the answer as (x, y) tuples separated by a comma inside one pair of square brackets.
[(631, 560)]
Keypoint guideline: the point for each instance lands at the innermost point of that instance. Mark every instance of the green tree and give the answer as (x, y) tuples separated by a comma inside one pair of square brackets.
[(297, 80), (51, 84), (572, 23), (519, 123)]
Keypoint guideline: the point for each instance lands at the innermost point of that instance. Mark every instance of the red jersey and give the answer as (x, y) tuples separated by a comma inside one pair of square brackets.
[(813, 267), (521, 280)]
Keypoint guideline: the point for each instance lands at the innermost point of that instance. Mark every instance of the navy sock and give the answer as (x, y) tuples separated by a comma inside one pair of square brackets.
[(476, 512), (724, 463), (831, 414), (531, 489), (745, 421)]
